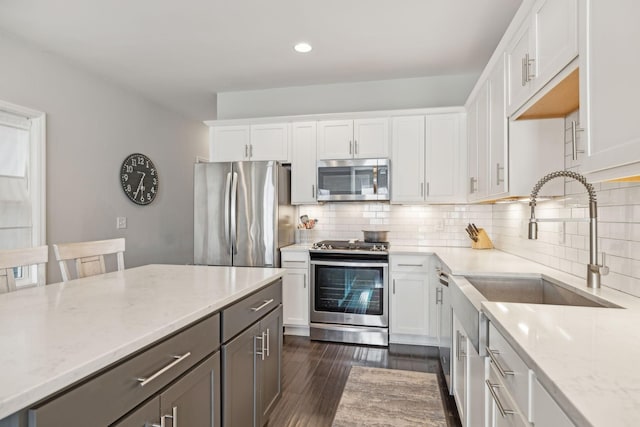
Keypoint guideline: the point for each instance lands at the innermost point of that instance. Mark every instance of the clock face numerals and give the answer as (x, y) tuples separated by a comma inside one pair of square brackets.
[(139, 179)]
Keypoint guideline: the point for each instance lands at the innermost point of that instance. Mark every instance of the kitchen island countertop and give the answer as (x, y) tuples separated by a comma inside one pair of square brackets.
[(56, 335)]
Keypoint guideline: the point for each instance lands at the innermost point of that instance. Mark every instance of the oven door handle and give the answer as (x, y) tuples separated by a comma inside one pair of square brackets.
[(351, 264)]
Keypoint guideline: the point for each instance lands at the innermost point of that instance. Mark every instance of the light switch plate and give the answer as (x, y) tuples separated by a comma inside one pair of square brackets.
[(121, 222)]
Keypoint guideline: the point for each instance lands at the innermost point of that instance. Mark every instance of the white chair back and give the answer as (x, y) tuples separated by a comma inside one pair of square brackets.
[(88, 256), (10, 259)]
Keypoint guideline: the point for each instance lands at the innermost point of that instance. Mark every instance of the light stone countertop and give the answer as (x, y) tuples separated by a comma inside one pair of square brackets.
[(53, 336), (586, 358)]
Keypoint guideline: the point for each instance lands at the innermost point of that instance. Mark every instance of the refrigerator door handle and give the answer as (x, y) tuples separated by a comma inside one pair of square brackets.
[(234, 194), (227, 213)]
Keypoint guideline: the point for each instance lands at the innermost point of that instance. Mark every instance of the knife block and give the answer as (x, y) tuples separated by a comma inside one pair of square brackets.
[(484, 242)]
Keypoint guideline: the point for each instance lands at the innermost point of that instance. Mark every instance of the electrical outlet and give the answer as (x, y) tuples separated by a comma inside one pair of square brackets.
[(121, 222)]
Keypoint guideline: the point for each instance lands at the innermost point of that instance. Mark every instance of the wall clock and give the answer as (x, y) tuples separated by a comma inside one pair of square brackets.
[(139, 179)]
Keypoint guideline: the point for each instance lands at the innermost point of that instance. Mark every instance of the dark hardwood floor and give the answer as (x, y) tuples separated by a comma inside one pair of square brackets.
[(314, 374)]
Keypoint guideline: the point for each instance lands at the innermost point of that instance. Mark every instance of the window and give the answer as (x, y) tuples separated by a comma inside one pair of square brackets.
[(22, 183)]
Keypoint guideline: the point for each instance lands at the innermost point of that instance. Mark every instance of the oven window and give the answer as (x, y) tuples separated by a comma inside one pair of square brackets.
[(354, 290)]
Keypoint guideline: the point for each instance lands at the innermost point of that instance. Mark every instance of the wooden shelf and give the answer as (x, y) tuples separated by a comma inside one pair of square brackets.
[(563, 99)]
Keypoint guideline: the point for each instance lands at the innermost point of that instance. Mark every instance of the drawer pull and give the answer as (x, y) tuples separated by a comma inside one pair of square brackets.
[(504, 412), (291, 260), (144, 381), (410, 265), (492, 356), (263, 305)]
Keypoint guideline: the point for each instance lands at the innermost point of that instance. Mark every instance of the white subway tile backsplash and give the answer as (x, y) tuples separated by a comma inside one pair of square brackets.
[(567, 247)]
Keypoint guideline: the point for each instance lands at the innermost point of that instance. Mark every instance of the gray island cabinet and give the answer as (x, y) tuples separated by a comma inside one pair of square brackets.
[(251, 359), (218, 360)]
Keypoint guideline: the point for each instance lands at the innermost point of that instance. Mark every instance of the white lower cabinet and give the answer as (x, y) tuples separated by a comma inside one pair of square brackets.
[(546, 412), (468, 370), (413, 310), (459, 361), (295, 292), (514, 396)]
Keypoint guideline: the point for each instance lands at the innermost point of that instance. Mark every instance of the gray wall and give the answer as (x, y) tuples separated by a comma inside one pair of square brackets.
[(423, 92), (92, 125)]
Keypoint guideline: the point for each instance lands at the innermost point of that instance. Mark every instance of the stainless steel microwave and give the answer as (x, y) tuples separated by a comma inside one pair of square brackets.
[(353, 180)]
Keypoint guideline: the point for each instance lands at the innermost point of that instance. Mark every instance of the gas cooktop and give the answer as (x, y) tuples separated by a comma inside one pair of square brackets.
[(350, 245)]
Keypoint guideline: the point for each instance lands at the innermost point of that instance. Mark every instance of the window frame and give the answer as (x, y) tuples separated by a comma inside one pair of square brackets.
[(37, 184)]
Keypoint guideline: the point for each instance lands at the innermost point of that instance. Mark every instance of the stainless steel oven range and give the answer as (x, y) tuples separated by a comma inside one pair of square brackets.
[(350, 292)]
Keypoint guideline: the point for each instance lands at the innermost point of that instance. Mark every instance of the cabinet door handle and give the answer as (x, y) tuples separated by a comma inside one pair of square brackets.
[(255, 345), (498, 169), (438, 293), (268, 342), (574, 139), (422, 189), (355, 143), (313, 191), (472, 185), (246, 151), (173, 417), (410, 265), (394, 286), (522, 74), (529, 63), (261, 306), (350, 147), (250, 155), (428, 189), (504, 412), (304, 282), (501, 370), (144, 381)]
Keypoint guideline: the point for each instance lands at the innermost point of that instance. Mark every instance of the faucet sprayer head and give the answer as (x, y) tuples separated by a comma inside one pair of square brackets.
[(533, 229)]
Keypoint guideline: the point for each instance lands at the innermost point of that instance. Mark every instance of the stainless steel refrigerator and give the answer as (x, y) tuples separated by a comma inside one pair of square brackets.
[(242, 213)]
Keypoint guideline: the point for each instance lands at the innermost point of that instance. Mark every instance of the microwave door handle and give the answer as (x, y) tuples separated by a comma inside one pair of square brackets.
[(234, 198), (375, 180), (227, 209)]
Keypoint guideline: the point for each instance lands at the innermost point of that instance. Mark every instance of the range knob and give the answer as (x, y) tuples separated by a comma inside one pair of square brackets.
[(323, 246), (329, 247), (374, 248), (383, 248)]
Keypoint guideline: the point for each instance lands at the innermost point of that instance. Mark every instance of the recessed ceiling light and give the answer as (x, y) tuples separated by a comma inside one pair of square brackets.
[(303, 47)]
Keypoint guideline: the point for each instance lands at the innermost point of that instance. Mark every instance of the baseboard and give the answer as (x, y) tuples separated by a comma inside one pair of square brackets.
[(302, 331)]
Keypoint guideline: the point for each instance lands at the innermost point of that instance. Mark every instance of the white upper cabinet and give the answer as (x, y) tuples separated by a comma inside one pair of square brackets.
[(545, 43), (303, 163), (426, 162), (371, 138), (610, 92), (269, 142), (498, 139), (228, 143), (347, 139), (407, 160), (507, 159), (556, 37), (444, 174), (249, 142), (478, 149)]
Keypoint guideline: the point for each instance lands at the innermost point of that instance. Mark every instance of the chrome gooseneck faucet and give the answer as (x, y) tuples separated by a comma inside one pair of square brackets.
[(594, 270)]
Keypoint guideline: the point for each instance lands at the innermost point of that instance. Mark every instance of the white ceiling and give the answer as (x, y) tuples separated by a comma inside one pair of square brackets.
[(180, 53)]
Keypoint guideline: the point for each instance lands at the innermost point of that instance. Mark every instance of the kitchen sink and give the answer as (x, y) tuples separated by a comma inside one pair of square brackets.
[(532, 290)]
